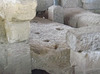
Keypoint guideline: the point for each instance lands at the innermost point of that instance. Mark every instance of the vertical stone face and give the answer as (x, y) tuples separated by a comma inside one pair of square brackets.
[(15, 58), (83, 39), (55, 13), (44, 4), (91, 4), (17, 31), (15, 16), (86, 62), (71, 3)]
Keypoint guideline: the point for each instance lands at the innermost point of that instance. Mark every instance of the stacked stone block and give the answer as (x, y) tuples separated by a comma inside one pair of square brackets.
[(15, 16), (85, 54)]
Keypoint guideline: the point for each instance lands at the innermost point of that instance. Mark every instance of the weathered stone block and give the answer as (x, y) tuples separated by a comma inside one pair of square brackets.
[(15, 58), (14, 19), (91, 4), (84, 19), (71, 3), (17, 31), (86, 38), (44, 4), (55, 13), (20, 10), (48, 47), (86, 62), (69, 13)]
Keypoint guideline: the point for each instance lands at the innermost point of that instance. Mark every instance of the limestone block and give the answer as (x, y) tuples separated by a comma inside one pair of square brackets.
[(44, 4), (71, 12), (15, 58), (86, 62), (86, 38), (14, 19), (49, 48), (85, 19), (19, 10), (71, 3), (55, 13), (17, 31), (91, 4)]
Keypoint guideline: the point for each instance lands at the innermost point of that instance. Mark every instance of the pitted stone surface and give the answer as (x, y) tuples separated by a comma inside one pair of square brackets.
[(86, 62), (83, 39), (49, 48)]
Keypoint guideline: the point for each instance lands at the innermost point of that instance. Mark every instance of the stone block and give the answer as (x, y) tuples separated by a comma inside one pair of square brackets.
[(49, 48), (15, 58), (17, 31), (86, 62), (84, 19), (71, 12), (71, 3), (83, 39), (91, 4), (14, 19), (44, 4), (20, 10), (55, 13)]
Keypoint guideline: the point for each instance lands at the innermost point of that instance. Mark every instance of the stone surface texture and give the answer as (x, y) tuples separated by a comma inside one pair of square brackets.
[(55, 13), (49, 48), (15, 58), (15, 14), (86, 38), (91, 4), (71, 3), (86, 62), (44, 4), (84, 19)]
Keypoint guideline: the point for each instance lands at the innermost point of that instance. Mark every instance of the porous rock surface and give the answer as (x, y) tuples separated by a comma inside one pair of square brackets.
[(84, 19), (86, 62), (49, 49), (85, 38)]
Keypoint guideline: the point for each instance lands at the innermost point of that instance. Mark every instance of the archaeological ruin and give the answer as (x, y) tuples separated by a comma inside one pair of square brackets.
[(49, 36)]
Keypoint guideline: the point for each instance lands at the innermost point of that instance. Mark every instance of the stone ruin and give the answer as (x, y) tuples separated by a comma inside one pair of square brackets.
[(68, 42)]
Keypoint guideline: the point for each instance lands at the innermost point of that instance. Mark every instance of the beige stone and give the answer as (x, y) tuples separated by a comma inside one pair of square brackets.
[(86, 62), (14, 17), (17, 31), (49, 48), (83, 39)]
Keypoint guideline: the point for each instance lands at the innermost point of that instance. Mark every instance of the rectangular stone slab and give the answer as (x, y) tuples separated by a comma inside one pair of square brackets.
[(15, 58), (86, 62), (17, 31), (82, 39)]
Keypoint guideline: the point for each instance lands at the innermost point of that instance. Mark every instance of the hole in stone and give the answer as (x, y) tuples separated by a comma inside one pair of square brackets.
[(80, 51), (39, 71), (59, 29), (56, 46), (46, 40), (37, 33)]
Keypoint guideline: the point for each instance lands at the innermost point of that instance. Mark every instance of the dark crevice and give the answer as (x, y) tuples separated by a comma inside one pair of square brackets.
[(39, 71)]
